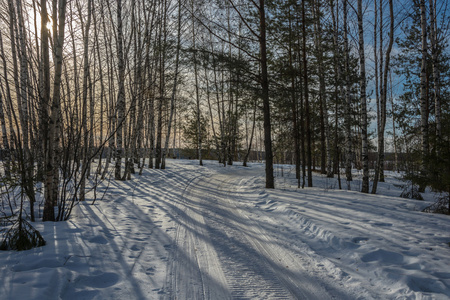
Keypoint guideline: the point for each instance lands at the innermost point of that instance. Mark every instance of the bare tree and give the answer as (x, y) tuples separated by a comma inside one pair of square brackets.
[(86, 75), (197, 93), (174, 88), (3, 104), (306, 96), (383, 99), (348, 104), (121, 93), (326, 162), (52, 151)]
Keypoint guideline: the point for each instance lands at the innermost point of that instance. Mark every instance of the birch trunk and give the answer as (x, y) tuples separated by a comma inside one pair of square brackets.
[(383, 101), (52, 154), (326, 163), (120, 95), (85, 100), (162, 50), (9, 158), (6, 148), (197, 93), (174, 89), (23, 95), (44, 84)]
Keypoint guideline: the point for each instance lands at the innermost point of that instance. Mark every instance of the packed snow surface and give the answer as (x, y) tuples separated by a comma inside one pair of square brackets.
[(191, 232)]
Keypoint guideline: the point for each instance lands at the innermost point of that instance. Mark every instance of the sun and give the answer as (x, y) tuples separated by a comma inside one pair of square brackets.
[(36, 20)]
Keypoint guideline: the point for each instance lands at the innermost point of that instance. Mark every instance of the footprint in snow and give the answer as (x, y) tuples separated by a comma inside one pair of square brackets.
[(150, 271), (382, 256), (135, 248), (98, 240)]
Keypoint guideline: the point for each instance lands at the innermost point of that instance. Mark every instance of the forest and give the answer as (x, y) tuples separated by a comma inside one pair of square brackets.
[(92, 91)]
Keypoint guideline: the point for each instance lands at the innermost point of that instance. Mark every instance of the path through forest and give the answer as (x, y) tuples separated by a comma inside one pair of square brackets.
[(222, 250)]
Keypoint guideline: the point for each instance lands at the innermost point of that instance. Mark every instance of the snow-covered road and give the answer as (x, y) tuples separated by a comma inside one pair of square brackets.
[(222, 251), (191, 232)]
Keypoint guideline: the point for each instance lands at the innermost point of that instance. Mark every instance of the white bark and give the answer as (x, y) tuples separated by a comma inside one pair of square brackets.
[(120, 95), (174, 89)]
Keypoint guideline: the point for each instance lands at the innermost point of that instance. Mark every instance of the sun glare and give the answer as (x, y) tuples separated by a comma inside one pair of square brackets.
[(38, 23), (49, 24)]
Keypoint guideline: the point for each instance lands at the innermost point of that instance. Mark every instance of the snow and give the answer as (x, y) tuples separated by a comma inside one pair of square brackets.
[(191, 232)]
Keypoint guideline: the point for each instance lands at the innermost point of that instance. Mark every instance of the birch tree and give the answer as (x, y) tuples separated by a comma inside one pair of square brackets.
[(52, 152), (121, 93), (174, 88), (86, 75), (197, 92), (383, 98), (326, 162)]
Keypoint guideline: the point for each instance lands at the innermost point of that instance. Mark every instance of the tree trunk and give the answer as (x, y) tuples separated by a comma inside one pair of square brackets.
[(362, 79), (84, 105), (436, 75), (52, 171), (6, 148), (337, 83), (249, 146), (394, 136), (294, 104), (162, 92), (197, 93), (270, 182), (325, 159), (8, 157), (423, 87), (383, 100), (348, 103), (174, 90), (306, 95), (120, 95)]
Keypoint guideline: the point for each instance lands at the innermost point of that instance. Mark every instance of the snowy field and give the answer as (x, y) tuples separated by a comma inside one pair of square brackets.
[(191, 232)]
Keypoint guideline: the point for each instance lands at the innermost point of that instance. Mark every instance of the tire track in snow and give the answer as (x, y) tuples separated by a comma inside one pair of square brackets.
[(221, 251), (194, 270), (255, 266), (247, 276)]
